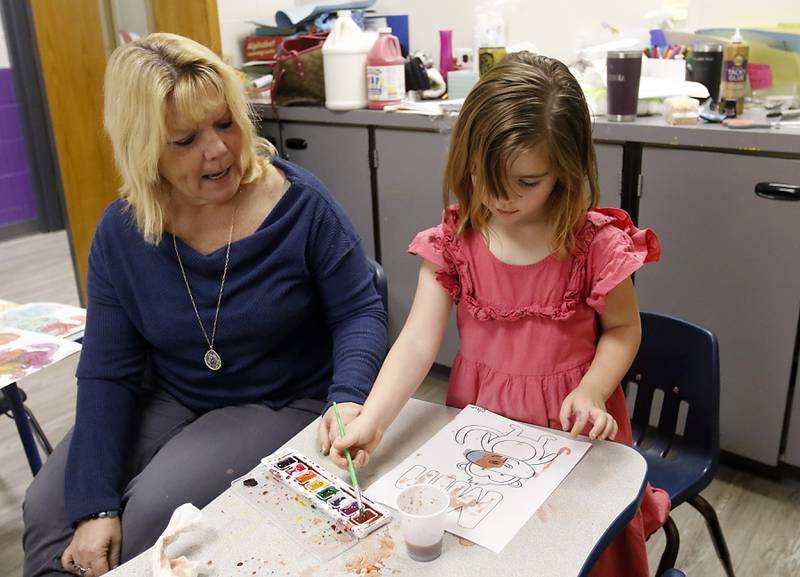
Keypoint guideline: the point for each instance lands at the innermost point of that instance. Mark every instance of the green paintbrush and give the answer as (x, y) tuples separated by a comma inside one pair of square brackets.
[(350, 467)]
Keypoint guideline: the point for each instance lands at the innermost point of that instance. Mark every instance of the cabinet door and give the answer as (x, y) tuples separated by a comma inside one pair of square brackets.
[(339, 157), (271, 130), (410, 170), (730, 263), (792, 454), (609, 168)]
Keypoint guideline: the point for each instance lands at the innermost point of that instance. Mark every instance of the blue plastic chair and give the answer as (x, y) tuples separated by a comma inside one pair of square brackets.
[(381, 284), (681, 360), (673, 573)]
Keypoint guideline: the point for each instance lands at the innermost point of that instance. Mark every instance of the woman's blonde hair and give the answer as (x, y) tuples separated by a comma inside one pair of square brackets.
[(140, 79), (524, 101)]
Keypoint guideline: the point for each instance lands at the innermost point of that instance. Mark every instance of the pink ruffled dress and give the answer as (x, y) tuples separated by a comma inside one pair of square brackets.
[(528, 335)]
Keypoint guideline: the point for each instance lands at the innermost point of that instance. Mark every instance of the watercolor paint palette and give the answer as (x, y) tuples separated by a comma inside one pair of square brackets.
[(292, 515), (329, 494)]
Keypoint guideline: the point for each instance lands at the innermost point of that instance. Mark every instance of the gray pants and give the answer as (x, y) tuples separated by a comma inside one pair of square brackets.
[(177, 457)]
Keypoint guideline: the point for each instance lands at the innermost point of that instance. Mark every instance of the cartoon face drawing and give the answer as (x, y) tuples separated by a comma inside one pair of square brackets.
[(504, 459), (485, 459)]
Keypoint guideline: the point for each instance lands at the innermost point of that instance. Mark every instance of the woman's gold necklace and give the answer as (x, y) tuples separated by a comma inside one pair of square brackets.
[(212, 359)]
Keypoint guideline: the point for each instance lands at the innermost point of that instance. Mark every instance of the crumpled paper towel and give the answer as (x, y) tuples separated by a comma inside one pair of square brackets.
[(184, 518)]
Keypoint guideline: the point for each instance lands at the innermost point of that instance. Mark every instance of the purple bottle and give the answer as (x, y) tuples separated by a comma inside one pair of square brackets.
[(445, 52)]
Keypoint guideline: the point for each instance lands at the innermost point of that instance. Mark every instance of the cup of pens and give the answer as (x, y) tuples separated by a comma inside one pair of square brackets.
[(422, 514), (623, 71)]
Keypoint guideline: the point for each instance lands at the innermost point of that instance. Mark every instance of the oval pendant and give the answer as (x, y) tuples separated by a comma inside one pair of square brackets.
[(213, 360)]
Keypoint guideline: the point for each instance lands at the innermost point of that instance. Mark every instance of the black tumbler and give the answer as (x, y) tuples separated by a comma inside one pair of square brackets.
[(623, 71), (706, 68)]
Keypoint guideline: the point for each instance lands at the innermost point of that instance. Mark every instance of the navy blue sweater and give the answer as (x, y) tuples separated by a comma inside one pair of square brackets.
[(300, 318)]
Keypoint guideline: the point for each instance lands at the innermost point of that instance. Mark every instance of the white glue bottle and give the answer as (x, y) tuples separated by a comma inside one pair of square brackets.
[(344, 59)]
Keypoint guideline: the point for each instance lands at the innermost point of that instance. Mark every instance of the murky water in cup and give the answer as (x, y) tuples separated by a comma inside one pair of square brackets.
[(422, 512)]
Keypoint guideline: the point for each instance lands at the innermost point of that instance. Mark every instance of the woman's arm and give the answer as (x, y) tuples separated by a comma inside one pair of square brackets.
[(109, 379), (406, 365), (619, 341)]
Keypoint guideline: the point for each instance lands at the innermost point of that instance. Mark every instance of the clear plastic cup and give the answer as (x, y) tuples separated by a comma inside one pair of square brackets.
[(422, 513)]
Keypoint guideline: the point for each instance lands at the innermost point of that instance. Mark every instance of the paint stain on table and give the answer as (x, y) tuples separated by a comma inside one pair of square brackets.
[(371, 561)]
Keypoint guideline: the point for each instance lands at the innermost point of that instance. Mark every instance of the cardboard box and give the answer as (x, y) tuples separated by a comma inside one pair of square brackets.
[(262, 47)]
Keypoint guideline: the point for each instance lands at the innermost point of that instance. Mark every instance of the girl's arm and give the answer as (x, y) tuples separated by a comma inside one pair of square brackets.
[(616, 349), (405, 367)]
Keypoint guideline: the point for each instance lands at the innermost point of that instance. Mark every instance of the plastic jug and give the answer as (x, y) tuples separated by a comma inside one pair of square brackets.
[(344, 59), (386, 74)]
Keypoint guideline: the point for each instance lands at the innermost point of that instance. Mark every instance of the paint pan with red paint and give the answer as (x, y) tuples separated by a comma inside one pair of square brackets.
[(327, 492)]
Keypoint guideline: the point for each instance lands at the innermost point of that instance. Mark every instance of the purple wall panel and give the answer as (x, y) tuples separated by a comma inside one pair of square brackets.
[(16, 198), (9, 122), (16, 193), (6, 87)]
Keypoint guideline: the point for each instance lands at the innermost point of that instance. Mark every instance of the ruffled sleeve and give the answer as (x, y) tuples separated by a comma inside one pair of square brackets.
[(618, 249), (436, 245)]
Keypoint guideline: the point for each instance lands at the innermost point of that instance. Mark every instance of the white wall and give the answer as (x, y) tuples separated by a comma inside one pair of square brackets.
[(234, 22), (557, 28), (132, 16), (4, 60)]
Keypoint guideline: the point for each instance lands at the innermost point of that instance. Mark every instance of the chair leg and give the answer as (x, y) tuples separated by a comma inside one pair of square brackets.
[(39, 432), (670, 554), (710, 515), (14, 399)]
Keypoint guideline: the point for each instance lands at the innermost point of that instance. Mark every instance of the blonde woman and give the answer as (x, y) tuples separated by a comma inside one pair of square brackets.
[(540, 277), (234, 277)]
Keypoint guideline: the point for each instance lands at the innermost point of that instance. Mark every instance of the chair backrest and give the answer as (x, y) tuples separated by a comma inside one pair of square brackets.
[(381, 284), (680, 359)]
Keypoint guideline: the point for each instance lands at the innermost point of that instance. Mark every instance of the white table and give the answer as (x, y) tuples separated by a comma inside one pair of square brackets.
[(600, 494)]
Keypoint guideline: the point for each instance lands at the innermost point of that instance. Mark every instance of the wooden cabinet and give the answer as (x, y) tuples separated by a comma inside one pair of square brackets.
[(729, 263)]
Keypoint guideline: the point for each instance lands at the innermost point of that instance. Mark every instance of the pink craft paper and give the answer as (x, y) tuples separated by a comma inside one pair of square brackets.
[(760, 75)]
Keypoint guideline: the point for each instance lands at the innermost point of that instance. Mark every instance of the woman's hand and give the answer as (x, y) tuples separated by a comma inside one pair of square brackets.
[(329, 429), (95, 547), (361, 437), (587, 404)]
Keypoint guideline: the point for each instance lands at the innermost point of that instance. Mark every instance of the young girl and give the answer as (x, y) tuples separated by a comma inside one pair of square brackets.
[(546, 309)]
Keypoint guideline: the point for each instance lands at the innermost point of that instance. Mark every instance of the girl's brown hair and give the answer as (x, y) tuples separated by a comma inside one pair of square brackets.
[(524, 101)]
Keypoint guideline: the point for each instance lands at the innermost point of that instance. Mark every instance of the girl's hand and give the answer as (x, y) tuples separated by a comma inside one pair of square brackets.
[(94, 549), (362, 435), (587, 404), (329, 429)]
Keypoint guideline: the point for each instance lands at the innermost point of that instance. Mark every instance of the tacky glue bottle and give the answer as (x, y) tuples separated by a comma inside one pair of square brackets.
[(734, 72), (386, 76)]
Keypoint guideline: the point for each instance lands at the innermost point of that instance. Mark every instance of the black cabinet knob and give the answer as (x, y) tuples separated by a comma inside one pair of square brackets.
[(778, 191), (296, 143)]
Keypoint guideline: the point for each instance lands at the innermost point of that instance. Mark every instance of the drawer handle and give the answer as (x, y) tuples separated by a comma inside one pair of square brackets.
[(296, 143), (778, 191)]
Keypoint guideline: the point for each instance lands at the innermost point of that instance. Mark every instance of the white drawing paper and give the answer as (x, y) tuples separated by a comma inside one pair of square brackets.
[(497, 471), (25, 352), (54, 319)]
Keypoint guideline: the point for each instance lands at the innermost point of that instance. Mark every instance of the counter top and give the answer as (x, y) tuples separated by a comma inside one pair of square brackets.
[(648, 130)]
